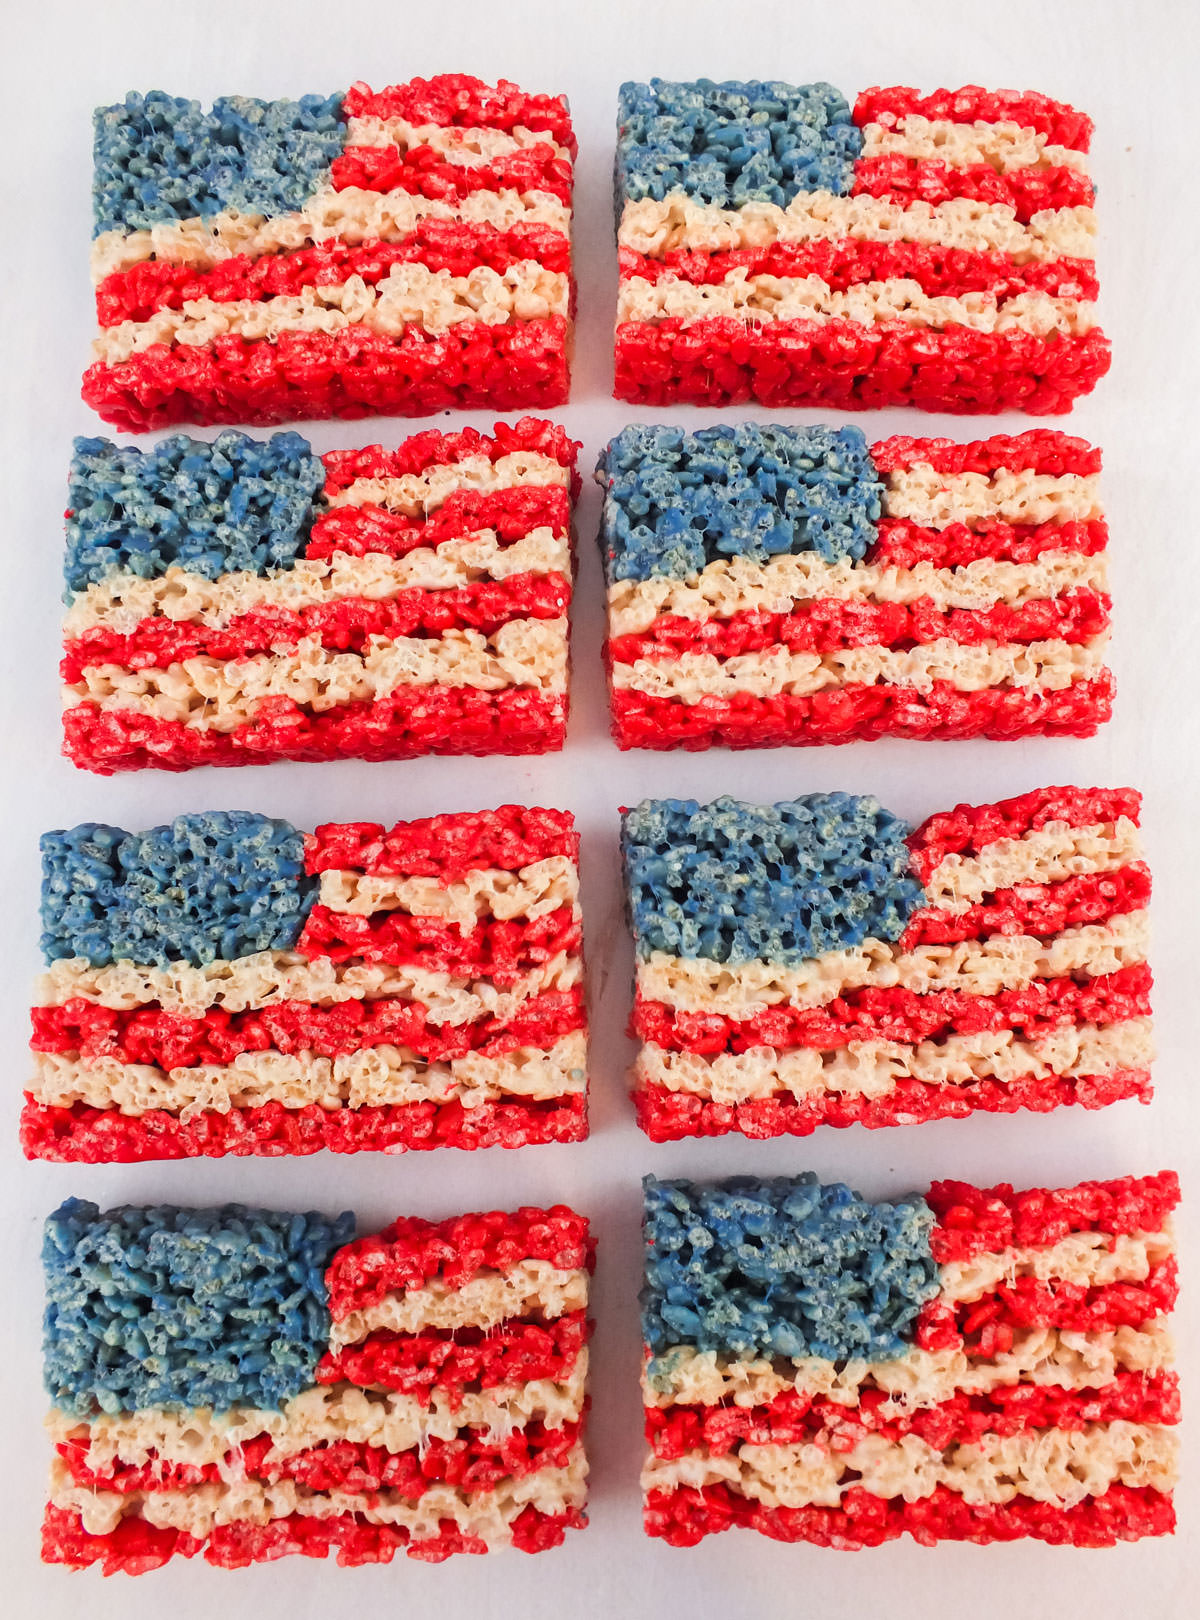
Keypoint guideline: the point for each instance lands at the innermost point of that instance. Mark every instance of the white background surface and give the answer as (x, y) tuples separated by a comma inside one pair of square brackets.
[(1133, 69)]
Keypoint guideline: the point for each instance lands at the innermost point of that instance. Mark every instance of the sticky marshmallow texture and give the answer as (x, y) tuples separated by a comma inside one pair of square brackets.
[(235, 504), (733, 882), (181, 1309), (733, 142), (199, 889), (160, 158), (676, 501), (783, 1268)]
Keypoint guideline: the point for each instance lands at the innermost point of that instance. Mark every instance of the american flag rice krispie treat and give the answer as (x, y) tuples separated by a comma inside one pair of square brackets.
[(246, 600), (775, 245), (972, 1365), (243, 1384), (227, 984), (773, 585), (819, 963), (393, 252)]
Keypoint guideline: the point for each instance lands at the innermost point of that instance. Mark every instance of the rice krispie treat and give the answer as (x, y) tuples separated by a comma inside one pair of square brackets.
[(776, 245), (243, 1384), (391, 252), (817, 962), (772, 585), (226, 984), (246, 600)]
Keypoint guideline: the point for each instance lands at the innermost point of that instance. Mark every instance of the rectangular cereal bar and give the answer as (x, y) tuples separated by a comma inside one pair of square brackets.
[(772, 585), (226, 984), (395, 253), (247, 600), (817, 962), (777, 246), (245, 1383), (977, 1364)]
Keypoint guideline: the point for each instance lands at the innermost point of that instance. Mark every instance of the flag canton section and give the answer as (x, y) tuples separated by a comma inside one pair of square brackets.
[(974, 1365), (778, 245), (241, 601), (773, 586), (817, 962), (228, 984), (401, 251), (244, 1384)]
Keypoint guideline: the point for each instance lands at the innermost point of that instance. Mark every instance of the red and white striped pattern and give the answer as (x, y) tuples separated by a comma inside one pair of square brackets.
[(1021, 983)]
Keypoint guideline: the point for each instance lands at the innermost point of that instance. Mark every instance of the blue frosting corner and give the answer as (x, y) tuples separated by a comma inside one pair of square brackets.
[(160, 158), (734, 882), (676, 501), (232, 504), (204, 887), (784, 1267), (733, 142), (180, 1309)]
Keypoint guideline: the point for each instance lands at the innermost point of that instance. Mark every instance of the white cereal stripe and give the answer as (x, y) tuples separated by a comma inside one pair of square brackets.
[(469, 146), (487, 1298), (372, 1077), (122, 600), (935, 499), (1086, 1259), (216, 694), (977, 967), (766, 298), (678, 222), (738, 585), (1047, 854), (875, 1068), (528, 892), (1004, 146), (409, 295), (354, 216), (1031, 667), (418, 494)]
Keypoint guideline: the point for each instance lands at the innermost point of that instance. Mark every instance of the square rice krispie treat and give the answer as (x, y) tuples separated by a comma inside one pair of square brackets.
[(818, 962), (772, 585), (929, 250), (226, 984), (243, 600), (245, 1383), (394, 252), (977, 1364)]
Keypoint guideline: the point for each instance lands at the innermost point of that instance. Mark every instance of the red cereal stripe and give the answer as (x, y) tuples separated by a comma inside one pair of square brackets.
[(859, 712), (987, 1327), (423, 171), (410, 722), (345, 623), (970, 828), (974, 1220), (501, 950), (1026, 191), (1032, 908), (1040, 450), (796, 1418), (473, 1460), (684, 1517), (1060, 123), (831, 624), (445, 846), (435, 448), (83, 1135), (410, 1252), (458, 100), (939, 271), (453, 1360), (353, 372), (668, 1116), (173, 1040), (508, 513), (901, 544), (895, 1014), (136, 1546), (137, 293), (849, 366)]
